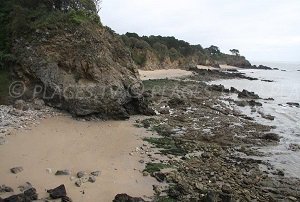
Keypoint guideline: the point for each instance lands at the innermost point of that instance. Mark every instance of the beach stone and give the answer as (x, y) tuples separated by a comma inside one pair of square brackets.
[(92, 179), (96, 173), (78, 183), (63, 172), (58, 192), (19, 104), (164, 111), (66, 199), (16, 170), (247, 94), (80, 174), (4, 188), (226, 188), (127, 198), (31, 194), (38, 104), (25, 186)]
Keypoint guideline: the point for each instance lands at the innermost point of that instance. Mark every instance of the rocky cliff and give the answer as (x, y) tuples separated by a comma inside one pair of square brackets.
[(74, 63)]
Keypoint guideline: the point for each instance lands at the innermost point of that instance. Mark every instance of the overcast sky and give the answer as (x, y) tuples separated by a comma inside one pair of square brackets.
[(263, 30)]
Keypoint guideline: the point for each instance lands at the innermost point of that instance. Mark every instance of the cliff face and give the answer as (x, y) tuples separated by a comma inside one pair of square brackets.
[(80, 67)]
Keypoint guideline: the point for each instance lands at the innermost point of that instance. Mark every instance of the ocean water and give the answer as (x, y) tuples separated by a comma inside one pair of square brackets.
[(285, 88)]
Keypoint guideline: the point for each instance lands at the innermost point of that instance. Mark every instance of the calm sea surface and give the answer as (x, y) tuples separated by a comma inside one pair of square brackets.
[(285, 88)]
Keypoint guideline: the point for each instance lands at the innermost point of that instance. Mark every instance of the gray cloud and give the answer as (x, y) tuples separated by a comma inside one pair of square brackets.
[(263, 30)]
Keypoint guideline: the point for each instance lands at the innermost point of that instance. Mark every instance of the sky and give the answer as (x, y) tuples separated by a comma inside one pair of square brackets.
[(263, 30)]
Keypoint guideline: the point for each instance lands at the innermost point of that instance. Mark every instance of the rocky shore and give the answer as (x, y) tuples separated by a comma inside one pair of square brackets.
[(209, 149)]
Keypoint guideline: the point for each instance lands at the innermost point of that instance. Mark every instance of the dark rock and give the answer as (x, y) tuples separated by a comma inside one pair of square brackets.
[(16, 170), (234, 90), (270, 99), (269, 117), (253, 103), (211, 196), (92, 179), (66, 199), (226, 189), (262, 67), (293, 104), (127, 198), (4, 188), (31, 194), (174, 102), (275, 69), (96, 173), (80, 174), (266, 80), (164, 111), (159, 176), (63, 172), (205, 155), (17, 198), (271, 136), (58, 192), (248, 95), (219, 88)]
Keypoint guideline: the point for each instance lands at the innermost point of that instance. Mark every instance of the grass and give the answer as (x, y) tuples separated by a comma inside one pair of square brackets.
[(164, 199), (155, 167), (168, 145)]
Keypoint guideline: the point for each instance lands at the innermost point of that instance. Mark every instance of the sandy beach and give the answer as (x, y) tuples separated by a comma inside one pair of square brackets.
[(64, 143), (163, 73)]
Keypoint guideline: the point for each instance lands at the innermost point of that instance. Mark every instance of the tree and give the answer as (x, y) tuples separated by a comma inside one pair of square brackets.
[(213, 50), (235, 52), (98, 5)]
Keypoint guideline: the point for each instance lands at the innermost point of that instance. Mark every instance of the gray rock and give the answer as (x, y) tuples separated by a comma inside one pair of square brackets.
[(16, 170), (78, 183), (92, 179), (19, 104), (80, 174), (271, 136), (63, 172), (38, 104), (96, 173)]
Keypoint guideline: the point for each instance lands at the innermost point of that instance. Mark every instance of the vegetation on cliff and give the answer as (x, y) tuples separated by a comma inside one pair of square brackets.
[(169, 52)]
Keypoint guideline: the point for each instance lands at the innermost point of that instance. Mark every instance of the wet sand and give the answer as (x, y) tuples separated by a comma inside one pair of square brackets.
[(64, 143)]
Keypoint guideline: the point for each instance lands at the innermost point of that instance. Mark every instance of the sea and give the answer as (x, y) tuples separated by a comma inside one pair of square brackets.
[(284, 88)]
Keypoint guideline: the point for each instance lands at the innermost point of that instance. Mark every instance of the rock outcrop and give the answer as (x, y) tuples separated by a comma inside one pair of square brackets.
[(83, 69)]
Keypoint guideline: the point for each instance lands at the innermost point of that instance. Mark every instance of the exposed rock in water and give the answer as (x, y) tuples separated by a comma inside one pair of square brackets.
[(271, 136), (248, 95), (84, 69), (127, 198), (266, 80), (293, 104), (261, 67), (219, 88)]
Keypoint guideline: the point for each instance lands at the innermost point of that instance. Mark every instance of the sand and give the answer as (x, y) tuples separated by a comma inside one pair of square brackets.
[(64, 143), (164, 73)]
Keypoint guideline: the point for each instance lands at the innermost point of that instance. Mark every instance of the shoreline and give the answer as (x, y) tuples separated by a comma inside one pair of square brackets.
[(195, 148)]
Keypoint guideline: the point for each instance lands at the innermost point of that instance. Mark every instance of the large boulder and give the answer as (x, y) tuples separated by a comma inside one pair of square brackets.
[(84, 69)]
